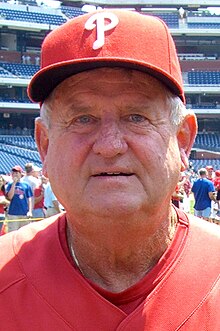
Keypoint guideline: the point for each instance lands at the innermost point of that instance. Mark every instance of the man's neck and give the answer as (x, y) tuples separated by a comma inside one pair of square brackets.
[(115, 263)]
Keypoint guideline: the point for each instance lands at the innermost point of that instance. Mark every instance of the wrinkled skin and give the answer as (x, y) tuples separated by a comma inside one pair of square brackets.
[(107, 121)]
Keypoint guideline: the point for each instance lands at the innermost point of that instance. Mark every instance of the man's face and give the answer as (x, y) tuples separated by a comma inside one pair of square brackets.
[(35, 174), (16, 175), (209, 172), (112, 149)]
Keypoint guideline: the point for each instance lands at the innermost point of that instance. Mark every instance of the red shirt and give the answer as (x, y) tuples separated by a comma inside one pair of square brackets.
[(41, 290), (217, 183), (1, 206), (37, 192)]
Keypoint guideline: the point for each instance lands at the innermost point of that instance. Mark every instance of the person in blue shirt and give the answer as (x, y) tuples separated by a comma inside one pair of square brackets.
[(204, 192), (20, 196)]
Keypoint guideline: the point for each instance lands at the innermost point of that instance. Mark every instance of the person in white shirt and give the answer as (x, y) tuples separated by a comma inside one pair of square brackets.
[(51, 203)]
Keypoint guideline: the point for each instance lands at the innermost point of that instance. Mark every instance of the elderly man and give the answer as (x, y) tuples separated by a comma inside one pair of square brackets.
[(113, 135)]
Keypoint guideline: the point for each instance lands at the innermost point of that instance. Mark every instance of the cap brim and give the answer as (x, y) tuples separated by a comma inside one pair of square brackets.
[(48, 78)]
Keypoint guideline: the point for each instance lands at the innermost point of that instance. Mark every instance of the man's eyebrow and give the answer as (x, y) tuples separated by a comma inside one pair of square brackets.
[(138, 106), (78, 108)]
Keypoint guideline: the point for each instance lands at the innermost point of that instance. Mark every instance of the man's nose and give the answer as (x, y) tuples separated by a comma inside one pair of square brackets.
[(110, 140)]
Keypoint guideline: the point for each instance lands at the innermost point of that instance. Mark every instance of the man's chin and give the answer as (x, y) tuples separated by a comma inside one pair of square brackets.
[(115, 207)]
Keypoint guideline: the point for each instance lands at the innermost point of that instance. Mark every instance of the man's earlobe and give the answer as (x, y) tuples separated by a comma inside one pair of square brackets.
[(184, 160), (42, 141)]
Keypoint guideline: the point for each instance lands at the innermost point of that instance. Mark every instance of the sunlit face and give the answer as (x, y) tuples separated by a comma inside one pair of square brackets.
[(209, 172), (36, 174), (16, 174), (112, 149)]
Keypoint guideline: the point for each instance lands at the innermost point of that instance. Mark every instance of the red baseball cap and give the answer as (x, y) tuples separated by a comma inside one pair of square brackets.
[(17, 168), (107, 38)]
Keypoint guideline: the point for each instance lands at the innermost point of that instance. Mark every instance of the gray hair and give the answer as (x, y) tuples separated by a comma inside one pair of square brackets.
[(178, 110), (45, 111), (203, 172)]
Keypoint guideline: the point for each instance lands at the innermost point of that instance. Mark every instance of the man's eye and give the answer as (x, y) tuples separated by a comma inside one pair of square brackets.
[(136, 118), (85, 119)]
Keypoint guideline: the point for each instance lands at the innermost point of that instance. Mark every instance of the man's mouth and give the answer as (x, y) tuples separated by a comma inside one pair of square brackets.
[(113, 174)]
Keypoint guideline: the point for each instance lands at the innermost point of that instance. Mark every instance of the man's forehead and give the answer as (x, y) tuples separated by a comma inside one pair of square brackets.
[(105, 76), (95, 88)]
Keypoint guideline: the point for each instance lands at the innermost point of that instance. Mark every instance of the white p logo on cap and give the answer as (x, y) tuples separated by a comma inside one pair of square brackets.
[(101, 27)]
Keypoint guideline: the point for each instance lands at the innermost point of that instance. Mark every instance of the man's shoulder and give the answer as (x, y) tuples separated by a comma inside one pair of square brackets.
[(29, 180), (14, 243), (208, 181), (8, 185), (10, 272), (202, 182), (208, 233), (196, 182), (23, 183)]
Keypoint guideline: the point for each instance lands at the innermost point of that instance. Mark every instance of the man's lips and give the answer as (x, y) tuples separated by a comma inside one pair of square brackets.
[(110, 174)]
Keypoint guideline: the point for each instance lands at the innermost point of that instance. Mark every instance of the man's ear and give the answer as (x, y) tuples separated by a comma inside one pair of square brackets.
[(186, 137), (42, 141)]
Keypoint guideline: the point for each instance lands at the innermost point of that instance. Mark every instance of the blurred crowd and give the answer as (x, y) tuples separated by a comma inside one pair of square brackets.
[(198, 192), (25, 196)]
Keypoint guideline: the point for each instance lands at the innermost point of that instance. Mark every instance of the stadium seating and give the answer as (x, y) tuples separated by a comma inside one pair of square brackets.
[(17, 150), (5, 73), (210, 141), (203, 25), (203, 106), (19, 69), (30, 16), (71, 12), (196, 57), (203, 20), (4, 99), (204, 77), (171, 19), (22, 152), (197, 164), (19, 141), (8, 160)]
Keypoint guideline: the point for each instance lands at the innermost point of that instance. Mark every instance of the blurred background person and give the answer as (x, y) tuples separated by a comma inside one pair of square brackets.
[(187, 186), (38, 209), (51, 203), (3, 201), (20, 196), (217, 188), (204, 192), (210, 172), (30, 176)]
